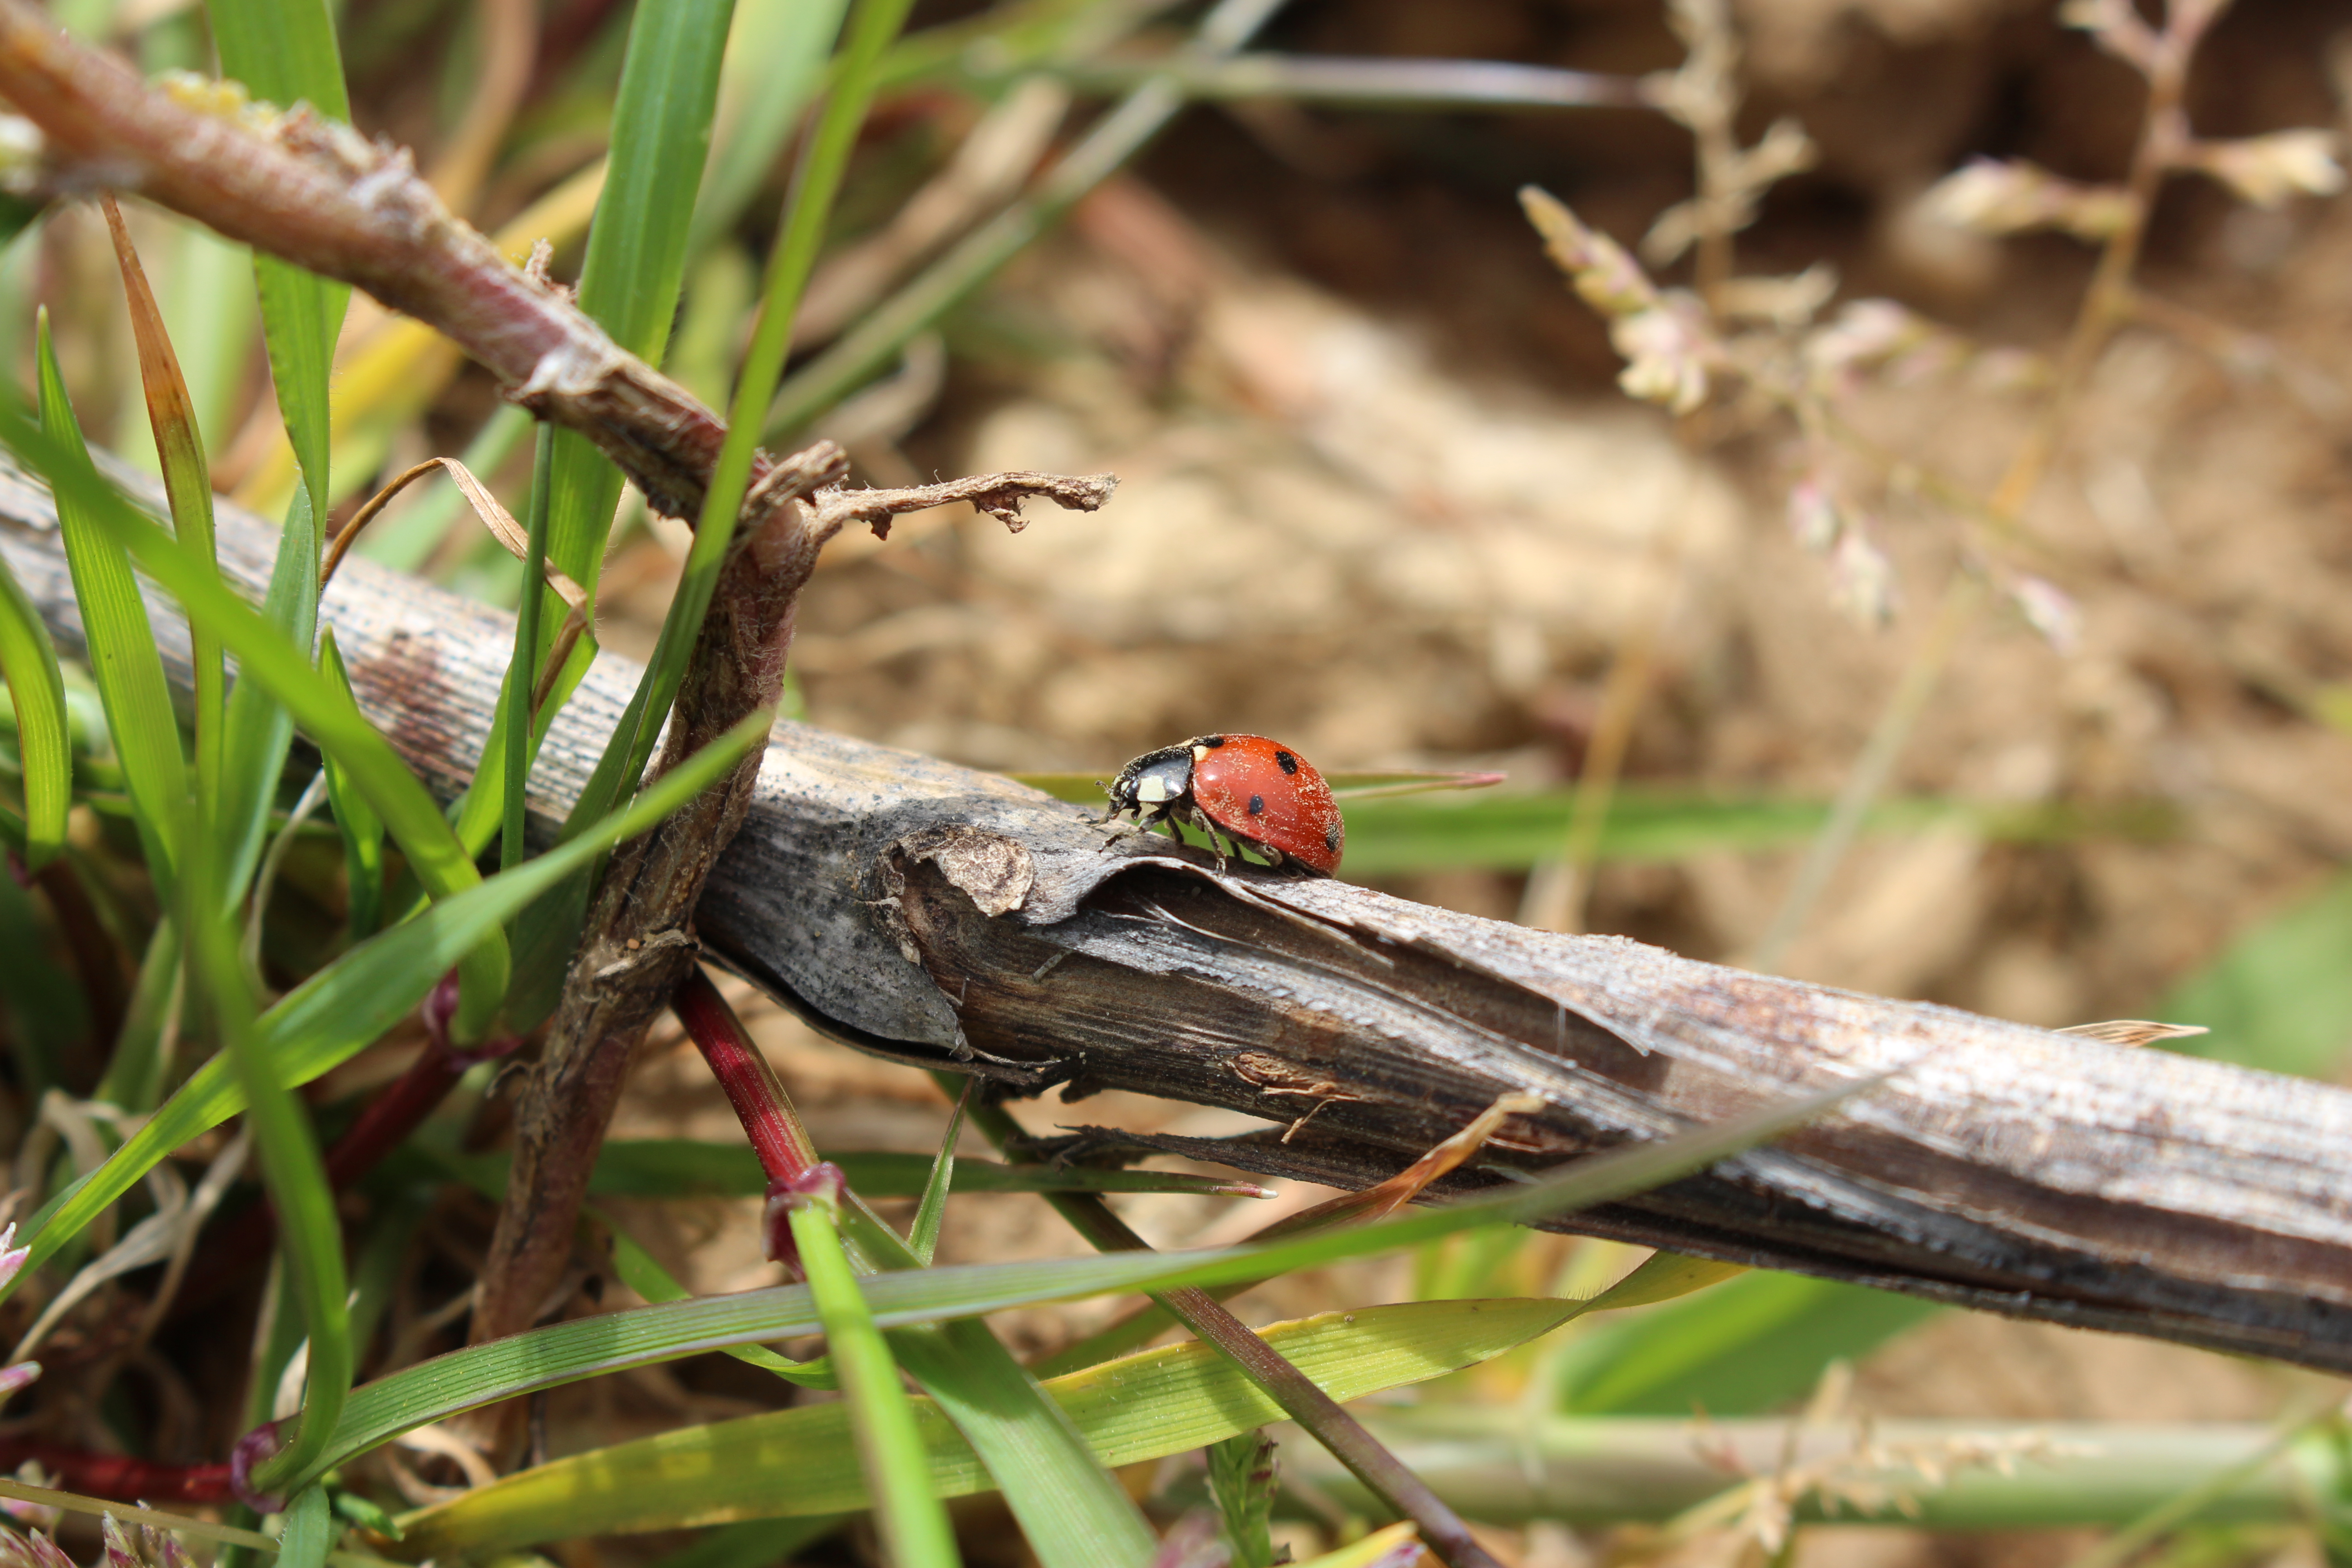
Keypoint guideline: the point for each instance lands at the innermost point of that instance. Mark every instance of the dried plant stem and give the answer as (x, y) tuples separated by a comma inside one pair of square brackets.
[(636, 946), (2107, 304)]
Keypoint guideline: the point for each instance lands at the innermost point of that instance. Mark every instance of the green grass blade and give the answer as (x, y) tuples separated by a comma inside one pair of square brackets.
[(1512, 832), (259, 731), (637, 246), (329, 1017), (301, 317), (1746, 1345), (2280, 996), (284, 51), (923, 1234), (637, 1269), (566, 1353), (361, 828), (1143, 1407), (310, 1234), (124, 658), (266, 660), (187, 488), (892, 1454), (37, 691), (775, 57), (640, 1272), (310, 1531), (522, 666), (873, 24), (1072, 1510)]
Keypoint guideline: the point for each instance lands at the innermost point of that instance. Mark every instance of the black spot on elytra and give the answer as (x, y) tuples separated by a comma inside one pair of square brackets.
[(1257, 806), (1211, 741), (1332, 838), (1285, 761)]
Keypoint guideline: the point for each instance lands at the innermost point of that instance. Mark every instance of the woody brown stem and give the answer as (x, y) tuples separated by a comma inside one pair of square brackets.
[(639, 945)]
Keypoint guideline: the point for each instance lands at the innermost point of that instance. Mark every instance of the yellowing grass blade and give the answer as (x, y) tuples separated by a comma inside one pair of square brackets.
[(187, 483), (800, 1462)]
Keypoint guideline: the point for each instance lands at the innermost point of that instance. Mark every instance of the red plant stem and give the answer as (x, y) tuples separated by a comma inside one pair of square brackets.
[(117, 1477), (751, 1086)]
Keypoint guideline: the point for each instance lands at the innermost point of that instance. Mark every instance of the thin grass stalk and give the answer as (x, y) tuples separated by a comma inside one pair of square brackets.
[(36, 692), (1558, 892), (1865, 782), (311, 1232), (1073, 1513), (2106, 305), (1340, 1434), (1115, 140), (808, 211), (913, 1524), (522, 669), (2190, 1501)]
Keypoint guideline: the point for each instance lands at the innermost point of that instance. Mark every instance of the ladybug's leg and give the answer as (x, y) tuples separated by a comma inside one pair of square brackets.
[(1219, 842)]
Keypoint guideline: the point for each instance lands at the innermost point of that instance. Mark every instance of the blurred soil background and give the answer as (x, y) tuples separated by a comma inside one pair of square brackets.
[(1380, 496)]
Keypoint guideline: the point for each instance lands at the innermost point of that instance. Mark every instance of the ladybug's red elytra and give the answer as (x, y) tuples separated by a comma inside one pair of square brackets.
[(1246, 788)]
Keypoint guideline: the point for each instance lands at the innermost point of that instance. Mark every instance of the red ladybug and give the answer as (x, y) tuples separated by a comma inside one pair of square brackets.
[(1247, 788)]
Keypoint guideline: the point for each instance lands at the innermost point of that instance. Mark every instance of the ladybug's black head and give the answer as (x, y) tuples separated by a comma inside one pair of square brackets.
[(1152, 781)]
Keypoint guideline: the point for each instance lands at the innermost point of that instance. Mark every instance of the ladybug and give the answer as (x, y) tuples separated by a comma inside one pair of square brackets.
[(1246, 788)]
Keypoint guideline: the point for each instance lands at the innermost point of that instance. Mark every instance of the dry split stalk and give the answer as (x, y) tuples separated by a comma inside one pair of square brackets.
[(2007, 1168)]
